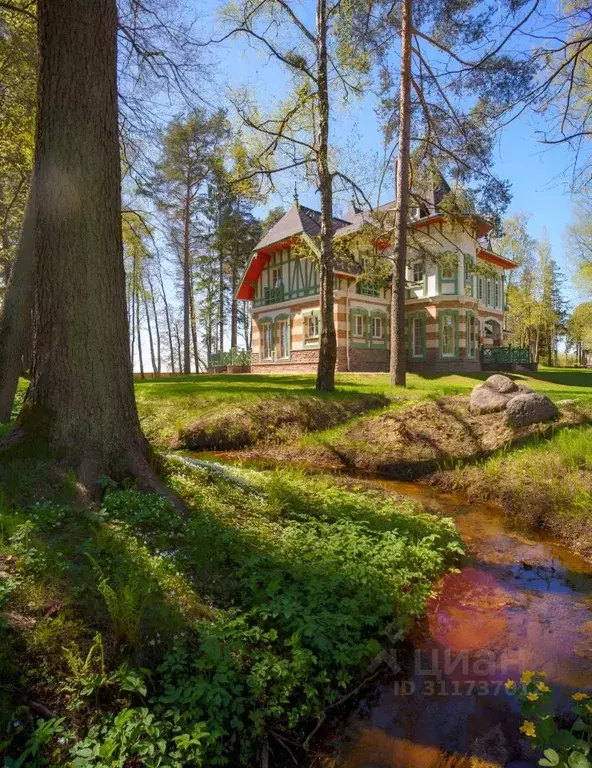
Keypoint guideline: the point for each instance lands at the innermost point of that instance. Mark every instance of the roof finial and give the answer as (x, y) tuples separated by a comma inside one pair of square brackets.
[(296, 203)]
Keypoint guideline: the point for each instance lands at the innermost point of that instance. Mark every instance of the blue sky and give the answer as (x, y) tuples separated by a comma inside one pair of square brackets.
[(535, 171)]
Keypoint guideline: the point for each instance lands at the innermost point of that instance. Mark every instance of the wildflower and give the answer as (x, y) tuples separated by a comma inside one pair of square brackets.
[(589, 707), (528, 729), (532, 696), (527, 676), (543, 688), (579, 696), (541, 674), (509, 685)]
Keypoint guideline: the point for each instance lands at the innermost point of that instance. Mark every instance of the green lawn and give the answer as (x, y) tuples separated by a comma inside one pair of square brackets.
[(167, 405)]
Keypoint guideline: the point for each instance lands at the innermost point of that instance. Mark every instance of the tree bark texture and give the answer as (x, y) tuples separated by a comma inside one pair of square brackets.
[(398, 363), (328, 347), (81, 398)]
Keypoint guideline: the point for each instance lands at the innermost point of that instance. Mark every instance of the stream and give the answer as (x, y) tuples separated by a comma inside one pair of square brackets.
[(519, 602)]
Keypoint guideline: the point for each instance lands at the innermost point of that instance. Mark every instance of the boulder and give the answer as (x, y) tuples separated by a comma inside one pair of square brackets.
[(524, 389), (530, 408), (484, 399), (500, 383)]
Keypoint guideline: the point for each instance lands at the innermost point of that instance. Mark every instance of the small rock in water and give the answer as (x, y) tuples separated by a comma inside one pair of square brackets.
[(492, 747)]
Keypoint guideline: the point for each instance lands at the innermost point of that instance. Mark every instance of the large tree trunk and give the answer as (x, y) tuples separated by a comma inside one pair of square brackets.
[(328, 349), (81, 398), (15, 321), (398, 363)]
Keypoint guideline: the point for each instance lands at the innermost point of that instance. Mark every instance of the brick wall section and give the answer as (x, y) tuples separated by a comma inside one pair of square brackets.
[(432, 363), (362, 359), (301, 361)]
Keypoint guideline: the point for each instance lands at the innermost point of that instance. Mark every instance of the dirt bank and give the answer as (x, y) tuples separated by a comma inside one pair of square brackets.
[(273, 420), (419, 439), (541, 474)]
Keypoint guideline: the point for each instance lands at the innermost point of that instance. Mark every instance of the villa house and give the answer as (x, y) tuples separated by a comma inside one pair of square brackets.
[(455, 304)]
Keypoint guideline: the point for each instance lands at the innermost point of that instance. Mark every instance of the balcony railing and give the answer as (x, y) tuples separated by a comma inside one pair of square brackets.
[(230, 358), (506, 355), (273, 295)]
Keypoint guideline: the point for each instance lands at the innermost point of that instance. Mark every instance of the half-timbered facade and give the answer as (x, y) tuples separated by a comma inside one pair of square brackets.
[(455, 299)]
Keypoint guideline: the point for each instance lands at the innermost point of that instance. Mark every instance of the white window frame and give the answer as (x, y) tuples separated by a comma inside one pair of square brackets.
[(453, 325), (267, 342), (312, 327), (496, 293), (421, 267), (276, 276), (283, 327), (488, 293), (377, 321), (358, 318), (417, 336)]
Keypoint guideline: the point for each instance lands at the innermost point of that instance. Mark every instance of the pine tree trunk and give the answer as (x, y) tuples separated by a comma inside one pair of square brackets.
[(233, 310), (186, 286), (328, 347), (179, 355), (156, 327), (193, 327), (15, 321), (131, 316), (139, 333), (220, 300), (150, 339), (81, 398), (168, 321), (398, 363)]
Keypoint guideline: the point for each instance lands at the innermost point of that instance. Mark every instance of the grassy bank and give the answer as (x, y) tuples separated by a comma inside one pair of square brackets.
[(546, 484), (251, 408), (143, 638)]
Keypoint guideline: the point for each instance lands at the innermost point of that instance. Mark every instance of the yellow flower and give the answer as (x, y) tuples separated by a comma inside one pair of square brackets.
[(543, 688), (532, 696), (527, 676), (528, 728), (589, 707), (579, 696), (509, 685), (541, 674)]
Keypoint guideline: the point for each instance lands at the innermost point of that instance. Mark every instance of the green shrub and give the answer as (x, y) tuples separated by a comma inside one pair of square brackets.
[(309, 582)]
